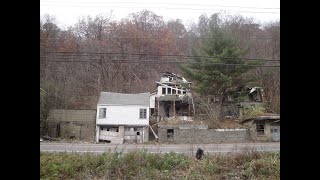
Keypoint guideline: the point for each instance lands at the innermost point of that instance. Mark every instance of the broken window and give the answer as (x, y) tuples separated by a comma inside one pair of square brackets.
[(143, 114), (138, 133), (102, 113), (163, 90), (173, 91), (184, 91), (260, 128)]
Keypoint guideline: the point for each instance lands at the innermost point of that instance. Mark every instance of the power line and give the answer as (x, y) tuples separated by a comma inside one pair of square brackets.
[(159, 62), (185, 58), (153, 55), (261, 12), (206, 5), (160, 37)]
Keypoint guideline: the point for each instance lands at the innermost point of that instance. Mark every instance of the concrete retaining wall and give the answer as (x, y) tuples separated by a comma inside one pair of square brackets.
[(204, 136)]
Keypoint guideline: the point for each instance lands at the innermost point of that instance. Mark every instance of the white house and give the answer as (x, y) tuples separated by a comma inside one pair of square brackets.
[(123, 117)]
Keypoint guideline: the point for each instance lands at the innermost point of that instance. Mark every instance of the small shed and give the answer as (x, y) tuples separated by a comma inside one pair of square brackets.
[(265, 127)]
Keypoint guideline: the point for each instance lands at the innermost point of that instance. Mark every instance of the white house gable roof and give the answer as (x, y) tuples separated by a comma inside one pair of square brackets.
[(110, 98)]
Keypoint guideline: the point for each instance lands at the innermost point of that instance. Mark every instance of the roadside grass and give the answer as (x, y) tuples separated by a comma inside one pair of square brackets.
[(144, 165)]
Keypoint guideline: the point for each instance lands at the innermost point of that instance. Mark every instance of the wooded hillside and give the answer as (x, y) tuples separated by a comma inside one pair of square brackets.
[(102, 54)]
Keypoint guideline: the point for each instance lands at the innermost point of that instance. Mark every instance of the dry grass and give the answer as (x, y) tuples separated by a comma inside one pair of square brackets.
[(230, 124), (224, 124), (177, 121)]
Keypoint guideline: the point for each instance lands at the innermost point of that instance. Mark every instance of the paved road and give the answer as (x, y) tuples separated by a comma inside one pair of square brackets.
[(189, 149)]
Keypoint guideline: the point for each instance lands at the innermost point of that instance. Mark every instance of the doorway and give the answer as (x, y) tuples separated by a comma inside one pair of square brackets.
[(275, 132), (170, 133)]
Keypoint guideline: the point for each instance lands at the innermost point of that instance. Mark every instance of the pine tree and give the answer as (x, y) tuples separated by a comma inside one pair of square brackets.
[(222, 73)]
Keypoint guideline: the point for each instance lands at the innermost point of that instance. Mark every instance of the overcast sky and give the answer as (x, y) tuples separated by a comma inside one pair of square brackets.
[(67, 12)]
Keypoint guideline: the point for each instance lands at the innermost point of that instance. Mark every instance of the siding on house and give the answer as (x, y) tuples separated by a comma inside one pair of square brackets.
[(123, 115), (152, 101)]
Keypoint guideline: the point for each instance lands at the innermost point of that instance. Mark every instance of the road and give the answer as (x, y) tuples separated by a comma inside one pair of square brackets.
[(188, 149)]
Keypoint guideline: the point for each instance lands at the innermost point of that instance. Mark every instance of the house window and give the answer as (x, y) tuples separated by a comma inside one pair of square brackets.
[(163, 90), (260, 129), (169, 90), (143, 114), (102, 113), (173, 91)]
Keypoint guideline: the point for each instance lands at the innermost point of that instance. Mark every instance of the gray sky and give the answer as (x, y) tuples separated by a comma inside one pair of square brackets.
[(67, 12)]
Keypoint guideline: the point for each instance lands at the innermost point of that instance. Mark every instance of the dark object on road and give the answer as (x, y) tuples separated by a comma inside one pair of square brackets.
[(199, 153)]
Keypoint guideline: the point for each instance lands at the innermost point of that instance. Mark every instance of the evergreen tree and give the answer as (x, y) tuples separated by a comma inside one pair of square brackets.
[(222, 73)]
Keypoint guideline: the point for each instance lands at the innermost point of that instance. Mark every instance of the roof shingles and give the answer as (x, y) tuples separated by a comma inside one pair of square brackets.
[(110, 98)]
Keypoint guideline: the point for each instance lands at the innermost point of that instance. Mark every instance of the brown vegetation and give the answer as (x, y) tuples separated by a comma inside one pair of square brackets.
[(110, 55)]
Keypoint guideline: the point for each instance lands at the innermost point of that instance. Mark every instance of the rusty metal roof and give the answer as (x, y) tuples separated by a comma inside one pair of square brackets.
[(266, 116)]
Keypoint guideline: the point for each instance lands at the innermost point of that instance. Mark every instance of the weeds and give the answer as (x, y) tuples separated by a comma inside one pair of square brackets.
[(248, 164)]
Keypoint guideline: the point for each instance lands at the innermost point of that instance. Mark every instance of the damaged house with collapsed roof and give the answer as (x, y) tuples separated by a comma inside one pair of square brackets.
[(173, 98), (173, 106), (265, 127), (123, 117), (248, 97)]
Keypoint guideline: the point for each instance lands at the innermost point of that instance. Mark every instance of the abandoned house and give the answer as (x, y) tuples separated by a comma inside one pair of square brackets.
[(172, 98), (123, 117), (255, 94), (246, 98), (264, 128)]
